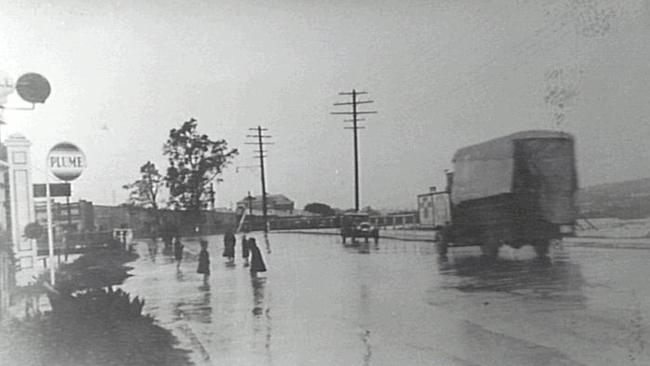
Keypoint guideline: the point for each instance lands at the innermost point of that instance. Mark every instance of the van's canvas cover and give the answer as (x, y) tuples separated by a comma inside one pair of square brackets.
[(488, 169)]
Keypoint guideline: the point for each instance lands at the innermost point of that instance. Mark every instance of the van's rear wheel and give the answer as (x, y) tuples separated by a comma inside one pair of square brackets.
[(442, 247), (541, 247), (490, 250)]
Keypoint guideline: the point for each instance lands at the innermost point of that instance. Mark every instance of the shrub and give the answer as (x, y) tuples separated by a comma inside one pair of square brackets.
[(94, 327)]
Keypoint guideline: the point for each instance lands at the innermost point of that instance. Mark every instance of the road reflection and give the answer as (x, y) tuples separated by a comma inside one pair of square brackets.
[(558, 279), (364, 311), (262, 314), (197, 308)]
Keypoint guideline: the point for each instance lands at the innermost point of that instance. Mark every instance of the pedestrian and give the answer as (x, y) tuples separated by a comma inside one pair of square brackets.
[(204, 261), (245, 250), (257, 262), (165, 236), (153, 249), (66, 245), (229, 241), (178, 252)]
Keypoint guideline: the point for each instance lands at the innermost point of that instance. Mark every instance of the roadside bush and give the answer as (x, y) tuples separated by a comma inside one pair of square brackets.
[(99, 304), (95, 269), (90, 322), (66, 338)]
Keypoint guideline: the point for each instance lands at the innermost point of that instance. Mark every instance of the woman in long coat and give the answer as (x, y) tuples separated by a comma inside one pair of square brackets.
[(204, 261), (178, 252), (257, 262), (229, 241), (245, 250)]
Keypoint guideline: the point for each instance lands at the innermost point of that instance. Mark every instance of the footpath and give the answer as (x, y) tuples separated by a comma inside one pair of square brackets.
[(591, 241)]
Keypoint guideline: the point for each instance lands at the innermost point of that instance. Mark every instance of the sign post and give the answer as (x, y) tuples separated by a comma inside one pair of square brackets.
[(66, 162), (50, 240)]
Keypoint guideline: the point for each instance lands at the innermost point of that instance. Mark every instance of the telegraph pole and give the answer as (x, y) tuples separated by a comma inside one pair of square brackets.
[(260, 151), (355, 120)]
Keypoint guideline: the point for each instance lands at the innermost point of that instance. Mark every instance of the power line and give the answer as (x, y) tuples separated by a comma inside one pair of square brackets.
[(355, 120)]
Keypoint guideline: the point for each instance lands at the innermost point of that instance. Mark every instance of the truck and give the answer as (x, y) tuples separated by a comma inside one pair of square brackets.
[(357, 225), (514, 190)]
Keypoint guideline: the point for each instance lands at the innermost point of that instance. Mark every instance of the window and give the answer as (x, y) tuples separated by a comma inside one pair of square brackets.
[(19, 157), (26, 262)]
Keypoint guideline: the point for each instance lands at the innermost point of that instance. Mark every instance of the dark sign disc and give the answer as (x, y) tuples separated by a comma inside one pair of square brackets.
[(33, 88)]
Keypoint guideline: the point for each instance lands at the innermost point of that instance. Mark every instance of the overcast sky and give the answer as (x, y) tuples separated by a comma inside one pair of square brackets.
[(443, 74)]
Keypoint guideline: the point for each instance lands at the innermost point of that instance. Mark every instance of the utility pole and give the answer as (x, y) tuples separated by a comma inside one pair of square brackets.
[(355, 120), (260, 151)]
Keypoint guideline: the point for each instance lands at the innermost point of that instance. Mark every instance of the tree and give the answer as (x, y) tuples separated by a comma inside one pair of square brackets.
[(145, 192), (319, 208), (195, 161), (370, 211)]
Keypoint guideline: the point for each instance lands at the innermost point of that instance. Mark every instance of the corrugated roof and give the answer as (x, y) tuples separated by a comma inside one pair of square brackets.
[(501, 147)]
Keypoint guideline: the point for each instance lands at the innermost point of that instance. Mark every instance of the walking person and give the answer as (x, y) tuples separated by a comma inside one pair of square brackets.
[(153, 249), (204, 261), (66, 245), (257, 262), (229, 241), (245, 250), (178, 252)]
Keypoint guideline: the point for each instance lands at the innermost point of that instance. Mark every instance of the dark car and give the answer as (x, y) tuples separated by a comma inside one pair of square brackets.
[(362, 230)]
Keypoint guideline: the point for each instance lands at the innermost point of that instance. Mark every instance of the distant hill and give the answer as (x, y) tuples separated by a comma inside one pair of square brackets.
[(626, 200)]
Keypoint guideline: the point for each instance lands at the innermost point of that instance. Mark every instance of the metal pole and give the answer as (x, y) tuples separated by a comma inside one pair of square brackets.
[(50, 239), (67, 201)]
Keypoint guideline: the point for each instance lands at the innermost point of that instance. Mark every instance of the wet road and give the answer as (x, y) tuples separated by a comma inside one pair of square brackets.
[(323, 304)]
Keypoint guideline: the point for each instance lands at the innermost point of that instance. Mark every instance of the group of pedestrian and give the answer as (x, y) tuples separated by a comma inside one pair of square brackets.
[(250, 254)]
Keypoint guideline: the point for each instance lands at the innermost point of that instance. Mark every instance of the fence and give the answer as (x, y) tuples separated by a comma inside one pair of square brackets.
[(317, 222), (81, 242)]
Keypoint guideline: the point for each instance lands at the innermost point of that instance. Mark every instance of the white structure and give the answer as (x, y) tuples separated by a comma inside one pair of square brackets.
[(434, 208), (21, 201)]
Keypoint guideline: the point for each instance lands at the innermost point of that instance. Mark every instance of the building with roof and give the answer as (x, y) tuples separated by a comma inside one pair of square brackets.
[(276, 204)]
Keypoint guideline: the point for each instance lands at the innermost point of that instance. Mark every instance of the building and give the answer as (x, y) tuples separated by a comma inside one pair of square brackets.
[(6, 253), (77, 217), (143, 222), (20, 201), (433, 208), (276, 204), (111, 217)]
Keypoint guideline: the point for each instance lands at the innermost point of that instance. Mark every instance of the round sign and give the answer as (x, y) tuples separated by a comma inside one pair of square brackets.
[(66, 161), (33, 88)]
